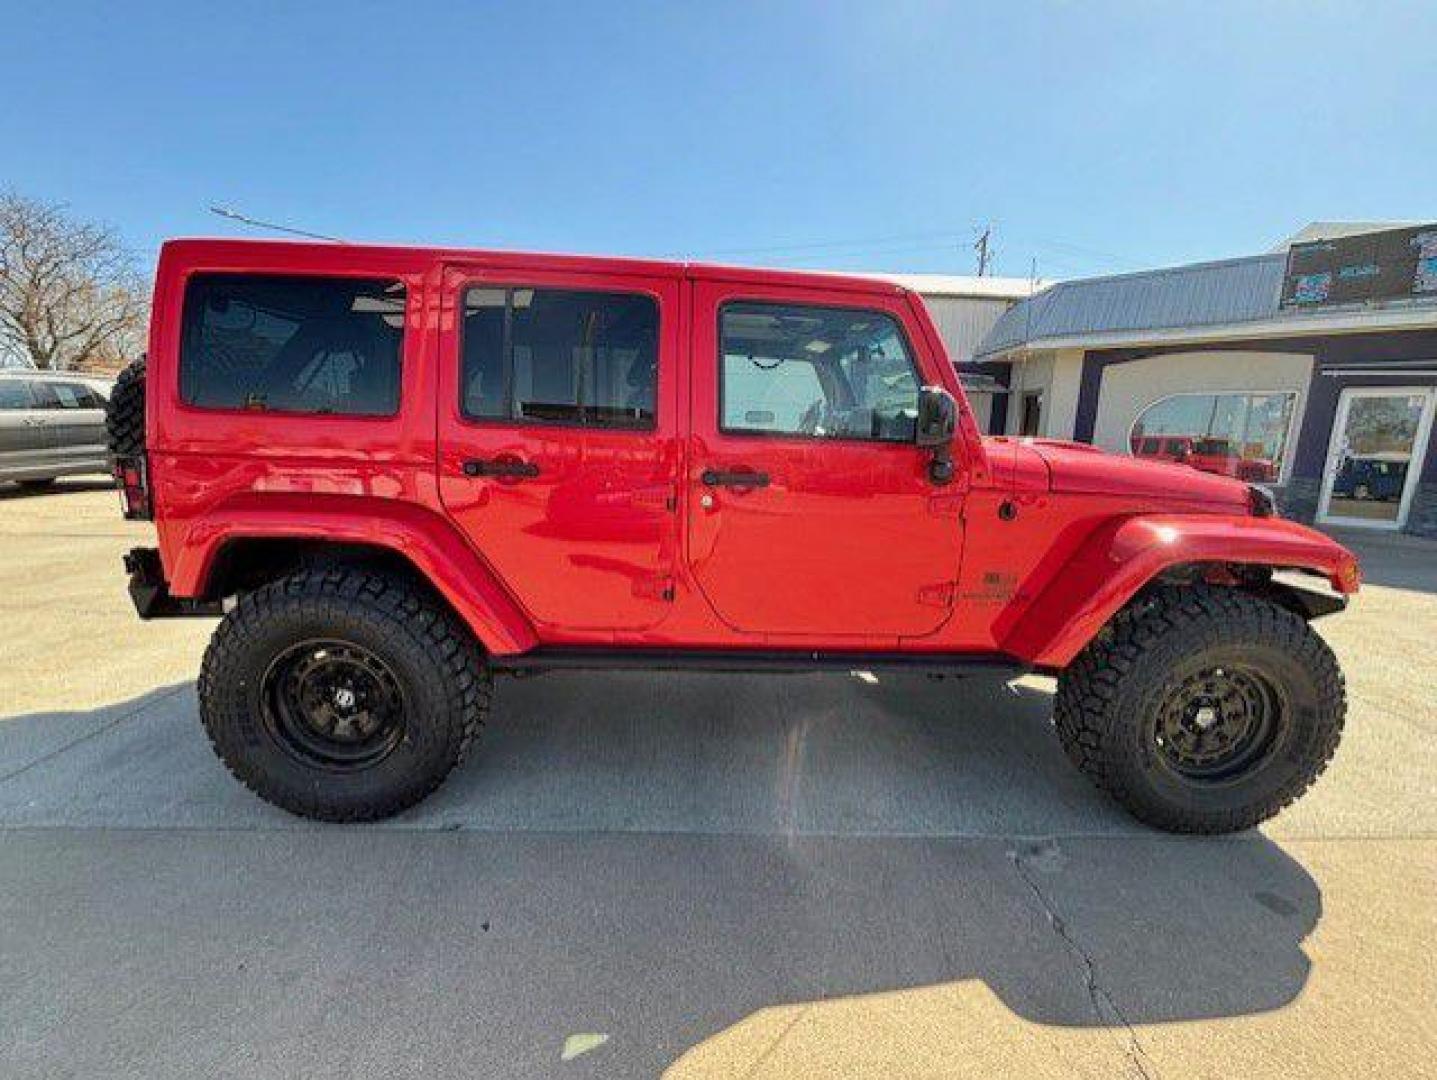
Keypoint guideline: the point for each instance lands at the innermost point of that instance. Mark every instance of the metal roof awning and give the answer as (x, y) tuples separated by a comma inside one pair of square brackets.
[(974, 383)]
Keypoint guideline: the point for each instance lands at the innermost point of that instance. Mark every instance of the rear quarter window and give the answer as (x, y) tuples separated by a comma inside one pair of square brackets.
[(271, 343)]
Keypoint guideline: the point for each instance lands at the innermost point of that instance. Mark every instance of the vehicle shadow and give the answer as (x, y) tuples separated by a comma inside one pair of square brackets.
[(681, 861), (65, 485)]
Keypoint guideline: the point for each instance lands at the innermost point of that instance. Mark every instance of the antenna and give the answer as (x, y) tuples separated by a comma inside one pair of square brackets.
[(235, 215), (1009, 509)]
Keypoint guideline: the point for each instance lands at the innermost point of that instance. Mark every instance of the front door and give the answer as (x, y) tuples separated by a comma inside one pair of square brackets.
[(559, 439), (1376, 455), (811, 510), (26, 440)]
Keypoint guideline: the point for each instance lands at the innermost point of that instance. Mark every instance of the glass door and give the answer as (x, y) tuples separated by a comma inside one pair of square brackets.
[(1376, 455)]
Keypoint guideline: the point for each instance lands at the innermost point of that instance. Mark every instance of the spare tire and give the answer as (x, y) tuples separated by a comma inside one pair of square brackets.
[(125, 414)]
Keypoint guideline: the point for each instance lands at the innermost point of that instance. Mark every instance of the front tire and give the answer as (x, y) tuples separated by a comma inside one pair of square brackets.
[(1203, 710), (342, 694)]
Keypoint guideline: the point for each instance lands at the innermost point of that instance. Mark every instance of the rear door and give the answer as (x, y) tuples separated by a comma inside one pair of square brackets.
[(812, 510), (559, 441), (76, 420)]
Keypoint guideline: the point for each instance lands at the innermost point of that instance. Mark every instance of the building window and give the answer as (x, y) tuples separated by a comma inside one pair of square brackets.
[(820, 372), (1242, 435), (560, 356), (271, 343), (1031, 420)]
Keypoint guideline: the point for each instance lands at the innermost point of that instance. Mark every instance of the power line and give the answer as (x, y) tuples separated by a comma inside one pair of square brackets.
[(1078, 249), (822, 244), (1079, 257), (829, 256)]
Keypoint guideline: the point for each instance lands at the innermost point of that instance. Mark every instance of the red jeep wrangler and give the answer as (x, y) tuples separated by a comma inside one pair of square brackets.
[(398, 473)]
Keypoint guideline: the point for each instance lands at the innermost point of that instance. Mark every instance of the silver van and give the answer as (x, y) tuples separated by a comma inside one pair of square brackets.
[(51, 424)]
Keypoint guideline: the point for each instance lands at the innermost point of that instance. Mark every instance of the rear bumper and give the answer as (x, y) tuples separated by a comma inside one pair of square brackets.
[(151, 593)]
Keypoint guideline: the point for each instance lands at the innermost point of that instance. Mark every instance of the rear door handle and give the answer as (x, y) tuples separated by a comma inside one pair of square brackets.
[(501, 467), (734, 478)]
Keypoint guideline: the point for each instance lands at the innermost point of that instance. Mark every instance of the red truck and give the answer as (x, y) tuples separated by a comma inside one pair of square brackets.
[(399, 473), (1206, 454)]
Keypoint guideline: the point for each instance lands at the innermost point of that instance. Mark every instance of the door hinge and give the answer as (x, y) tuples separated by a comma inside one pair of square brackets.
[(657, 498), (655, 588), (940, 595)]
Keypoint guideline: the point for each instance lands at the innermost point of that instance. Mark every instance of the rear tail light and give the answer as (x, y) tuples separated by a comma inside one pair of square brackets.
[(132, 474)]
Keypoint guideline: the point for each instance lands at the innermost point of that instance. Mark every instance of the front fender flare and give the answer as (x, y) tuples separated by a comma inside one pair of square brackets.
[(1122, 556), (423, 537)]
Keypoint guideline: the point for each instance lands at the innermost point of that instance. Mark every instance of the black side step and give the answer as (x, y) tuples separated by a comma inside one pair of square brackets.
[(550, 658)]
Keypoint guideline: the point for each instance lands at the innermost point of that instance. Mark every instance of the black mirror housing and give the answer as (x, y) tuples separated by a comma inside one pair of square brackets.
[(937, 418)]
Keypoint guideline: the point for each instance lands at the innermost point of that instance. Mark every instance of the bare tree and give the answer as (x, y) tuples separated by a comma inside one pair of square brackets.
[(70, 294)]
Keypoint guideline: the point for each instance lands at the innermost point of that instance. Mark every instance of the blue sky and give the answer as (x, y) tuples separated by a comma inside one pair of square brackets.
[(1095, 137)]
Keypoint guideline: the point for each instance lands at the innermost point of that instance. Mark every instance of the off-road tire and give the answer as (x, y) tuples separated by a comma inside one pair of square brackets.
[(1109, 699), (434, 659), (125, 413)]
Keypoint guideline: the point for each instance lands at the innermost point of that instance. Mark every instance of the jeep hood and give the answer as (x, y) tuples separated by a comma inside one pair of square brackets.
[(1080, 469)]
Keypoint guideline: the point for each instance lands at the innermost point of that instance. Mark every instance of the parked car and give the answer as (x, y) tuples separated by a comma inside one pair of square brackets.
[(1375, 477), (401, 473), (51, 424)]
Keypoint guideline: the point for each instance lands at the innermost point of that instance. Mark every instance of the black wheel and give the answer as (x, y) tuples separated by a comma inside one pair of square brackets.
[(1203, 710), (342, 695), (125, 412)]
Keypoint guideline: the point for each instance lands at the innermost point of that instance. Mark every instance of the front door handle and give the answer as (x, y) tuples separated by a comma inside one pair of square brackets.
[(737, 478), (505, 467)]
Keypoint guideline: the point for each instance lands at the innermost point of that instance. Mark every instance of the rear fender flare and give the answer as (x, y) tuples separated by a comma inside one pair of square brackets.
[(1124, 555), (423, 537)]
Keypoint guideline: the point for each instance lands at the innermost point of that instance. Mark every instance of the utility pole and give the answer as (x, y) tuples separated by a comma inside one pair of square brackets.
[(985, 252)]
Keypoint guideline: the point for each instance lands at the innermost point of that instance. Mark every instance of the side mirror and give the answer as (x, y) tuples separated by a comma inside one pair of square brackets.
[(937, 418), (937, 421)]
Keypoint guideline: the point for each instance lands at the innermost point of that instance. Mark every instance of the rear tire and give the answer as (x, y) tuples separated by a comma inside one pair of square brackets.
[(1203, 710), (342, 694)]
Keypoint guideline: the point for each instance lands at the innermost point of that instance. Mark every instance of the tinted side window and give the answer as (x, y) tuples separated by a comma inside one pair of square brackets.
[(836, 373), (58, 395), (560, 356), (292, 344), (15, 394)]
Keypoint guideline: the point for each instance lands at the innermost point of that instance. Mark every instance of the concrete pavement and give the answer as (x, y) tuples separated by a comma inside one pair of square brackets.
[(718, 875)]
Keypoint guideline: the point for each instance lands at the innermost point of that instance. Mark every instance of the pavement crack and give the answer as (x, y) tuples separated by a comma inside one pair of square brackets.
[(1105, 1008)]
